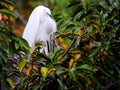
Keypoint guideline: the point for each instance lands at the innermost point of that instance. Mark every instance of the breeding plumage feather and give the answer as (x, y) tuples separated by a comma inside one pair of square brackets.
[(40, 27)]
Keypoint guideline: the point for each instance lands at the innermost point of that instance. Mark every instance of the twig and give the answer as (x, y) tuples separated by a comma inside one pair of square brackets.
[(111, 84), (20, 18), (74, 40)]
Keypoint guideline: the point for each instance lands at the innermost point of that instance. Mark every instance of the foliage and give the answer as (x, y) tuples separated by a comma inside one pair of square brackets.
[(101, 21), (86, 57), (10, 43)]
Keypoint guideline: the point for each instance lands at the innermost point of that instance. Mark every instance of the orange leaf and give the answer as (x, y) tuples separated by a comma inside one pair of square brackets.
[(64, 75), (19, 30), (84, 39), (87, 47), (80, 31), (5, 17), (52, 69), (64, 46), (62, 43), (9, 6), (71, 62), (28, 70), (0, 16), (76, 51)]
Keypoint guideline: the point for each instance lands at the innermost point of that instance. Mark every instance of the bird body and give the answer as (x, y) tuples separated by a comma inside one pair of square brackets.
[(40, 26)]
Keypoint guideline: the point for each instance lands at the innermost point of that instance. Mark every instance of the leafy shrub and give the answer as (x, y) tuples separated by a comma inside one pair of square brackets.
[(86, 58)]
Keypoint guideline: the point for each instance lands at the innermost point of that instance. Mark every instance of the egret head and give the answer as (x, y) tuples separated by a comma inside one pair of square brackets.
[(45, 10), (48, 11)]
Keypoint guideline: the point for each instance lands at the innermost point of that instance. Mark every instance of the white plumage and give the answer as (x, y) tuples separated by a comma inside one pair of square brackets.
[(39, 27)]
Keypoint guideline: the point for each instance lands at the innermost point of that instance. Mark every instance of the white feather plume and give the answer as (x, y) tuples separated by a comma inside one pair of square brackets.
[(39, 27)]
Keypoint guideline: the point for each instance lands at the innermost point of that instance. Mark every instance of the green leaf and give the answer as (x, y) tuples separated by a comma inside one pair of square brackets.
[(107, 45), (95, 79), (3, 55), (62, 85), (117, 5), (85, 67), (85, 4), (73, 3), (57, 55), (5, 35), (73, 74), (8, 12), (59, 70), (45, 57), (7, 1), (102, 70), (69, 26), (84, 77), (103, 4), (117, 68), (93, 51), (23, 43), (36, 86)]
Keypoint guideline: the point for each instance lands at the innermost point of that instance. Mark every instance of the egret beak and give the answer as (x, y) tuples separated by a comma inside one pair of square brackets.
[(50, 15)]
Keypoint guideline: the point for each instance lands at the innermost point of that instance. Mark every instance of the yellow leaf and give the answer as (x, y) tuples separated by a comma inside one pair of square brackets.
[(95, 26), (77, 56), (76, 53), (22, 64), (60, 39), (65, 75), (28, 70), (95, 69), (35, 67), (44, 71), (105, 53), (11, 82), (71, 62)]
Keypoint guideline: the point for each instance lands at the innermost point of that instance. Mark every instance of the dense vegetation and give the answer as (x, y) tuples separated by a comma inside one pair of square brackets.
[(88, 57)]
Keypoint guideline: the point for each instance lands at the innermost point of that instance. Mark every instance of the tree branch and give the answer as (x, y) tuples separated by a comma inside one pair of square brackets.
[(20, 18)]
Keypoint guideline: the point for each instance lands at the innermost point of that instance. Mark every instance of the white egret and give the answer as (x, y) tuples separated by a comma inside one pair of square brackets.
[(40, 27)]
